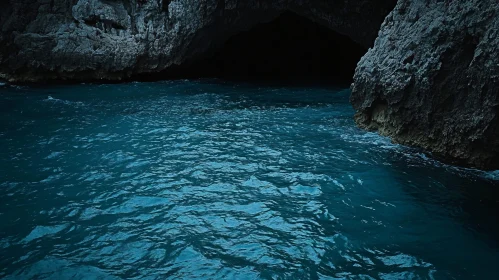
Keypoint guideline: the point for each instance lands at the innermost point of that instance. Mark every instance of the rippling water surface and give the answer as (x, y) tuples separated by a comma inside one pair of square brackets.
[(213, 180)]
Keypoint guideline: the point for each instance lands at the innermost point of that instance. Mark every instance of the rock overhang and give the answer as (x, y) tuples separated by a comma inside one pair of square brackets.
[(115, 40)]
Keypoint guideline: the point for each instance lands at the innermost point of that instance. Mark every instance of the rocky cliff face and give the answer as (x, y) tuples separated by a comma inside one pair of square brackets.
[(432, 80), (117, 39)]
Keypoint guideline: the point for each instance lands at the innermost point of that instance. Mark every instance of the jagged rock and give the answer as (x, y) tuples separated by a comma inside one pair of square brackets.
[(117, 39), (432, 80)]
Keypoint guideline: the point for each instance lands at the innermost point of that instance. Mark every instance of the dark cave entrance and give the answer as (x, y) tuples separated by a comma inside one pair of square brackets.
[(289, 48)]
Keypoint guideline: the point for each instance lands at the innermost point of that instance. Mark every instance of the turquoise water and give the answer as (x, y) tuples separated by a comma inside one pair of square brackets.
[(217, 180)]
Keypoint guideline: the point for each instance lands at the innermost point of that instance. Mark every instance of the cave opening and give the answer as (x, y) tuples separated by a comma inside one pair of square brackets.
[(289, 48)]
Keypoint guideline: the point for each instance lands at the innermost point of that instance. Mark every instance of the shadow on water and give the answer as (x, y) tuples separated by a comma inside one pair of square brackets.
[(470, 199)]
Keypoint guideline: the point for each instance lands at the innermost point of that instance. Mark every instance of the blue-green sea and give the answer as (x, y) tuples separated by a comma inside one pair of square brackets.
[(206, 179)]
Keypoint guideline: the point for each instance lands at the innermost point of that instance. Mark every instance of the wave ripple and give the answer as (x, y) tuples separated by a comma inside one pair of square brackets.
[(212, 180)]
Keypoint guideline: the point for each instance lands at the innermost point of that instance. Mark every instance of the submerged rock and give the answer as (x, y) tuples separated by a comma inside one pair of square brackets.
[(113, 40), (432, 80)]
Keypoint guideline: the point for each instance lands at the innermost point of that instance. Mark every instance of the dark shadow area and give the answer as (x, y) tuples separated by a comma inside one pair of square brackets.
[(290, 48), (469, 196)]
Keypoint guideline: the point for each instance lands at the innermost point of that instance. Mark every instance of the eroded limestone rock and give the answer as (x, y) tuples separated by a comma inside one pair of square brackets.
[(432, 80), (117, 39)]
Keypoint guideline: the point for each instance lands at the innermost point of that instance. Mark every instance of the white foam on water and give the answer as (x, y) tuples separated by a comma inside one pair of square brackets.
[(65, 102)]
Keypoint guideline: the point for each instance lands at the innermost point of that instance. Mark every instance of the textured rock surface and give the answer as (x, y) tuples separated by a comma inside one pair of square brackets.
[(116, 39), (432, 79)]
